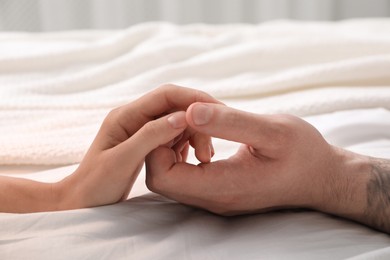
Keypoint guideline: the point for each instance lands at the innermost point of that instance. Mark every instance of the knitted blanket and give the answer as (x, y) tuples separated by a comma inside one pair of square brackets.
[(56, 88)]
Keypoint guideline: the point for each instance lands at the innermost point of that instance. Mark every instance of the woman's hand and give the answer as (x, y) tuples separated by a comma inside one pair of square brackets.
[(114, 160)]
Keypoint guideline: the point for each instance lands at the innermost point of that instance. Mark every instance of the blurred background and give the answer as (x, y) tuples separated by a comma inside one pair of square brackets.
[(54, 15)]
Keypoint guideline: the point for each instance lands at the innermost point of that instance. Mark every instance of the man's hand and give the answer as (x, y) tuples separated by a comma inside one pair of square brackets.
[(283, 162)]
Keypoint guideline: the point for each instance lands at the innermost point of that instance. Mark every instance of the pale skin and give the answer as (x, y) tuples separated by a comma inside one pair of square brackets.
[(283, 162), (115, 158)]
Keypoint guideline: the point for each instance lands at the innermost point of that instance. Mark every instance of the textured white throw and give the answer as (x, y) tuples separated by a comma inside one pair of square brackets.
[(56, 88)]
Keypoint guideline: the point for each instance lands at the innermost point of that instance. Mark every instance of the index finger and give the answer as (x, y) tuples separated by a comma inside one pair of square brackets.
[(167, 98), (265, 133)]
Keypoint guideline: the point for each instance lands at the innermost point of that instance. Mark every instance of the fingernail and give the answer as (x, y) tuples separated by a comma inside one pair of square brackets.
[(201, 114), (178, 120)]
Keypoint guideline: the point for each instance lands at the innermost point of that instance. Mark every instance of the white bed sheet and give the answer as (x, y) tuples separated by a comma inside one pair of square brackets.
[(56, 88)]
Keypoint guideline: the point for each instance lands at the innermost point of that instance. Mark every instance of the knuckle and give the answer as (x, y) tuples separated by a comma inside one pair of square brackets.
[(283, 129), (112, 116), (283, 123), (114, 113), (151, 129), (201, 96), (166, 87)]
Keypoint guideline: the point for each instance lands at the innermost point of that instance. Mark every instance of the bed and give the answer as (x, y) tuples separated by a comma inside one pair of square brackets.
[(56, 88)]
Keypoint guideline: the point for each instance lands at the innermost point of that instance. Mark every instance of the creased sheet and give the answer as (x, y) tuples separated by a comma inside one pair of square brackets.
[(56, 88)]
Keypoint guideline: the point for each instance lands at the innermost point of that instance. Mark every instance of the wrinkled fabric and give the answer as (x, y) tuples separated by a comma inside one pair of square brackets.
[(56, 88)]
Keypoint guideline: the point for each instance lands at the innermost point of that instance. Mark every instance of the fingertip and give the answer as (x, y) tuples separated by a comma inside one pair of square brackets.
[(203, 153), (199, 114), (178, 120), (188, 114)]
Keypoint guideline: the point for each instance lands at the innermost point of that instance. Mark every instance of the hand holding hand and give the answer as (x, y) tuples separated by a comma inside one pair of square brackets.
[(114, 160)]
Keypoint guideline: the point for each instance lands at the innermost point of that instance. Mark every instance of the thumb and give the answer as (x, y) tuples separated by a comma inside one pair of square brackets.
[(152, 135), (231, 124)]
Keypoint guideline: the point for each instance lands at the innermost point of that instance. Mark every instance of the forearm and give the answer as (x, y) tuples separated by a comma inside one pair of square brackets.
[(19, 195), (361, 191)]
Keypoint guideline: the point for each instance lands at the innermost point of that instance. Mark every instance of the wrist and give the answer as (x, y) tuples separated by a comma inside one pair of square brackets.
[(65, 192), (60, 192), (344, 185)]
